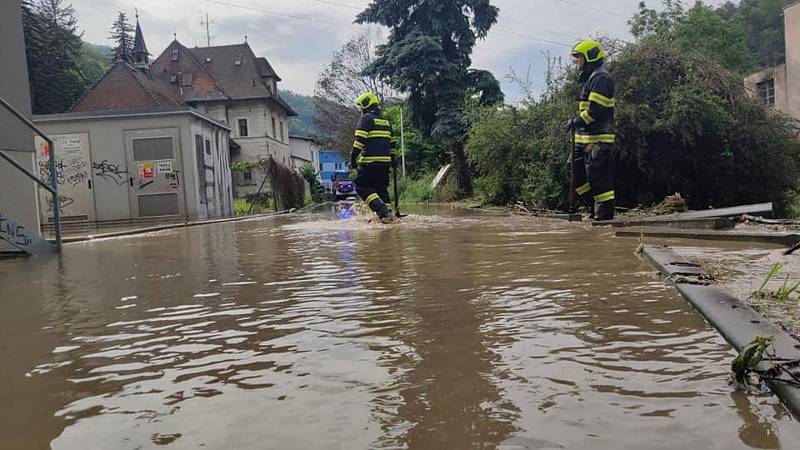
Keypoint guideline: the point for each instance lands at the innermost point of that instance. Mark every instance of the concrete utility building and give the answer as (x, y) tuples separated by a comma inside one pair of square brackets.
[(779, 86), (132, 148), (135, 164)]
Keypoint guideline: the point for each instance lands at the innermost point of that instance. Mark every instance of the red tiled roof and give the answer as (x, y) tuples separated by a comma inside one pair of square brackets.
[(231, 72), (126, 87)]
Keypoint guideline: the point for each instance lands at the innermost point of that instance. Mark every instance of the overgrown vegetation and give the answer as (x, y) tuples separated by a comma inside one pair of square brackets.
[(417, 190), (250, 205), (281, 185), (684, 124)]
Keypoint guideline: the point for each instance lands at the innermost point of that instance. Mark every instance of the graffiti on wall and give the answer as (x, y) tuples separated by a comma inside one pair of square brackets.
[(14, 233), (174, 179), (63, 202), (111, 172), (70, 171)]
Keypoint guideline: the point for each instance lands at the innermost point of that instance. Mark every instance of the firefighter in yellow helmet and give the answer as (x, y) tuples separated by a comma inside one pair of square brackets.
[(593, 160), (372, 154)]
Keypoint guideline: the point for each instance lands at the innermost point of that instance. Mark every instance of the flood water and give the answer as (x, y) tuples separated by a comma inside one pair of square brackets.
[(448, 331)]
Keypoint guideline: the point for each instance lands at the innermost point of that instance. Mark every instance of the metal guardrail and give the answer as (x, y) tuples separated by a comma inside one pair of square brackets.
[(53, 187)]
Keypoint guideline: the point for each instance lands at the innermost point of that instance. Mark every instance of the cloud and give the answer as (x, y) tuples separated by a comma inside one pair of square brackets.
[(298, 36)]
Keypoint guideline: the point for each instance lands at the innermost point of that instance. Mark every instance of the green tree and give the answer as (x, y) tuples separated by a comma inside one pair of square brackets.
[(423, 155), (428, 55), (303, 124), (53, 49), (764, 27), (121, 34), (699, 28), (94, 62), (310, 174)]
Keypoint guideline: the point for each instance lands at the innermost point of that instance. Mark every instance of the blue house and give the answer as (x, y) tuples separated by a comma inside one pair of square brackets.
[(330, 162)]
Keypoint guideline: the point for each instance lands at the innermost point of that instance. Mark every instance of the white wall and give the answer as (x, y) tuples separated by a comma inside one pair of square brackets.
[(218, 189), (304, 150), (18, 199)]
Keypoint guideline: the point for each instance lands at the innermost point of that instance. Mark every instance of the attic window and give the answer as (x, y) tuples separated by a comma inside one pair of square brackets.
[(238, 62), (208, 59), (173, 78), (175, 54)]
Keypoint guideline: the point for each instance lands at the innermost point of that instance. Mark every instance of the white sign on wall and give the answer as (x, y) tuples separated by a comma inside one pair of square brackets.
[(70, 145), (164, 166)]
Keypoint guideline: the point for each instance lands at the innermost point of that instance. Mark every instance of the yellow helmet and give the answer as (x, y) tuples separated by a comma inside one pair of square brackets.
[(589, 49), (367, 100)]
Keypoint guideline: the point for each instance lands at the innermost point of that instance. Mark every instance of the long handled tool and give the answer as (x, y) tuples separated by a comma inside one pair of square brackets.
[(571, 169), (396, 190)]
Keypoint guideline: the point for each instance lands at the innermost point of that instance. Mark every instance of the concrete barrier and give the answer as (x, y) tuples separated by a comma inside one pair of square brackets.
[(736, 321)]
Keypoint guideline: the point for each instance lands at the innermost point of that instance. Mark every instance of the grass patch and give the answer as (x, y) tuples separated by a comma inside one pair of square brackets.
[(416, 191), (241, 207), (783, 292)]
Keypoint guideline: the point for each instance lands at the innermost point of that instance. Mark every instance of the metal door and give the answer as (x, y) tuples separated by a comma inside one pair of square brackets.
[(156, 184), (74, 176)]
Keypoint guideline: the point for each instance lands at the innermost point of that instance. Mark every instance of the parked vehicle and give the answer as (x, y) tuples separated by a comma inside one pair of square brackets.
[(343, 187)]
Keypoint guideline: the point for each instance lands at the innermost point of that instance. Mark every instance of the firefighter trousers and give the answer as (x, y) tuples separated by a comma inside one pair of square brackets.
[(594, 179), (372, 185)]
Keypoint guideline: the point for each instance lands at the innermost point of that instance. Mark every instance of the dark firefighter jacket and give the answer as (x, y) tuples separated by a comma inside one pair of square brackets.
[(596, 109), (374, 141)]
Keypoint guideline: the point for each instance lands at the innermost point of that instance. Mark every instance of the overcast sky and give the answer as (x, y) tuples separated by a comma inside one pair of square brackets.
[(298, 36)]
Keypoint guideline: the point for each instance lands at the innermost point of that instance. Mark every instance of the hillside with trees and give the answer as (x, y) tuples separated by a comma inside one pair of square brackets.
[(303, 124), (61, 67)]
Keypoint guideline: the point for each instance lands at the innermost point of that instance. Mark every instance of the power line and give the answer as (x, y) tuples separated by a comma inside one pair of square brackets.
[(275, 13), (503, 32), (341, 5), (604, 11), (532, 38)]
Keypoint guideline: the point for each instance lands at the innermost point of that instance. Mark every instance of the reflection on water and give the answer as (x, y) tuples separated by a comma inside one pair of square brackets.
[(311, 332)]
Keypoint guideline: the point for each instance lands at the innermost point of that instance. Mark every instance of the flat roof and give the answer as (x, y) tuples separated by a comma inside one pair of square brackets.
[(122, 114), (304, 138)]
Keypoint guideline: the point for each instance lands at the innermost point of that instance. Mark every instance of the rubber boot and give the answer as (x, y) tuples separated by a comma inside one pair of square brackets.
[(604, 211), (588, 203), (384, 214)]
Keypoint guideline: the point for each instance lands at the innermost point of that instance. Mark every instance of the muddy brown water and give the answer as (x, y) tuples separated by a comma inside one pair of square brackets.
[(445, 332)]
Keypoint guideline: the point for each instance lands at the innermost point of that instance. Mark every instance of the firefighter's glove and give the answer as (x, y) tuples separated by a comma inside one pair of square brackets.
[(571, 125)]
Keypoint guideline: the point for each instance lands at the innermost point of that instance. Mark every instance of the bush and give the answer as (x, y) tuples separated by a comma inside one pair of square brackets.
[(416, 190), (684, 124), (318, 194)]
